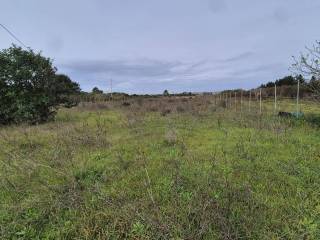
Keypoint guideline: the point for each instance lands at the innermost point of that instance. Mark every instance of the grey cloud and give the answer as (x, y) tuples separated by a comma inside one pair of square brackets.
[(281, 15), (216, 6), (240, 57), (144, 68), (148, 71), (130, 75), (237, 39), (55, 44), (257, 70)]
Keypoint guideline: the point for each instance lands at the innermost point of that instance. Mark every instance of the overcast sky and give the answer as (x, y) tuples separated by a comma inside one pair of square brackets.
[(147, 46)]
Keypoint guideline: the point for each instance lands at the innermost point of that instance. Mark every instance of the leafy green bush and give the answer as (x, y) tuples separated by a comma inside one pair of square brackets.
[(30, 89)]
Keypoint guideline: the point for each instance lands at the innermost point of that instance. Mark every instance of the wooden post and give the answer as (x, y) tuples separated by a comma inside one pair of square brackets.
[(226, 100), (260, 102), (111, 88), (275, 98), (250, 101), (241, 101), (298, 95), (235, 101)]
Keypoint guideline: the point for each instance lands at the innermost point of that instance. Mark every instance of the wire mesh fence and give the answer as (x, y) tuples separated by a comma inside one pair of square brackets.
[(266, 105)]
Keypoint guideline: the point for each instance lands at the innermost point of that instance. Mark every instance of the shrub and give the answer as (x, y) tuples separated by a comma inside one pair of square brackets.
[(30, 90), (165, 112), (180, 109), (126, 104)]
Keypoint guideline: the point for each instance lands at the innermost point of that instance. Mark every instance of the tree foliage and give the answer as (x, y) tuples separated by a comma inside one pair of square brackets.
[(65, 88), (30, 89), (308, 64), (285, 81), (96, 90), (166, 93)]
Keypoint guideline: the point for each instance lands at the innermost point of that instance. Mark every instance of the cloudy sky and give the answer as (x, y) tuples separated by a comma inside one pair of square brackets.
[(147, 46)]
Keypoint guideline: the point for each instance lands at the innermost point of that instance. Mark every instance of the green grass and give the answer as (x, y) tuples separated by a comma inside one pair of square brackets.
[(121, 174)]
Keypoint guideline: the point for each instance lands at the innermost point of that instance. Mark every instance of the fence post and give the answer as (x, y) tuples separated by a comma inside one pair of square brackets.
[(250, 101), (298, 93), (226, 99), (235, 101), (241, 100), (260, 102), (275, 98)]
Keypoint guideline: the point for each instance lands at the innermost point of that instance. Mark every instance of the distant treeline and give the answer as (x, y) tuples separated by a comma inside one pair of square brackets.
[(286, 81), (97, 95), (286, 88)]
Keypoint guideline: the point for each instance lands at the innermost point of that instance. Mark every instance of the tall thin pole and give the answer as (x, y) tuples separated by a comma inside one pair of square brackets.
[(275, 98), (298, 94), (226, 97), (241, 101), (111, 87), (250, 101), (235, 100), (260, 102), (227, 102)]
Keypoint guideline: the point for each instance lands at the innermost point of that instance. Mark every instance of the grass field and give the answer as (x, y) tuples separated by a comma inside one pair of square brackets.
[(162, 169)]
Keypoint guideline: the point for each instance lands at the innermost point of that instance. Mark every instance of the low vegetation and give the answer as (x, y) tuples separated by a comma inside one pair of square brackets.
[(162, 168)]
